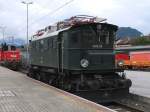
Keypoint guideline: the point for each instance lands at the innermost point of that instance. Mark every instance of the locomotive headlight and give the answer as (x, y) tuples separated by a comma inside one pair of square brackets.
[(84, 63), (120, 63)]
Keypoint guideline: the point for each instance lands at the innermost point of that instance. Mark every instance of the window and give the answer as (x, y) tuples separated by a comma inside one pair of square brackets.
[(33, 45), (4, 47), (50, 42), (74, 36), (41, 48), (107, 38), (13, 48), (54, 41), (37, 45), (104, 34), (46, 44), (42, 42), (88, 37)]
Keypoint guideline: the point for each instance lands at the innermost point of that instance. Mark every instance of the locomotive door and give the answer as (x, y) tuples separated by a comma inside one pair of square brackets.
[(60, 53)]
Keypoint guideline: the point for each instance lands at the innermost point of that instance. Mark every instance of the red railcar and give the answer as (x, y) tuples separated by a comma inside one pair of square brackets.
[(121, 58), (143, 56), (1, 55), (10, 56), (133, 60), (140, 59)]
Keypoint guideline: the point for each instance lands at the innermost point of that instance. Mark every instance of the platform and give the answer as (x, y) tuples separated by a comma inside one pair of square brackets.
[(140, 82), (19, 93)]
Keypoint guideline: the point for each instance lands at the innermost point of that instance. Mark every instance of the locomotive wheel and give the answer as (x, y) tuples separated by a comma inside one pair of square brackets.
[(38, 77), (50, 81), (30, 73)]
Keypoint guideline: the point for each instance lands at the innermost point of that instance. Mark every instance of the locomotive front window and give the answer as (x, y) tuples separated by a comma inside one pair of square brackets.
[(97, 37), (88, 37), (92, 36), (13, 48), (75, 38), (103, 36)]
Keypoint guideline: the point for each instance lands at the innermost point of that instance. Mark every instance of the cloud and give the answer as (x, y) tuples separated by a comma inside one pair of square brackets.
[(120, 12)]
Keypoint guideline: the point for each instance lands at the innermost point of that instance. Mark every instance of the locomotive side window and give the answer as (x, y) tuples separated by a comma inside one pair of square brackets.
[(37, 45), (65, 39), (50, 42), (46, 44), (41, 45), (33, 45), (74, 36), (54, 42)]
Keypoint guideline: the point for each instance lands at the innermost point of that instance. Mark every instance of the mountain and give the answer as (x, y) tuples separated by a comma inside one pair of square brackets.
[(124, 32), (15, 41)]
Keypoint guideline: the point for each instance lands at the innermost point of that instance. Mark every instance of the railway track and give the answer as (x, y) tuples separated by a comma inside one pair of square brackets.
[(136, 102), (129, 103), (121, 108)]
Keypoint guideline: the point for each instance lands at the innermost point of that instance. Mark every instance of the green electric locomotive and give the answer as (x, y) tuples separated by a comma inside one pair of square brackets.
[(77, 55)]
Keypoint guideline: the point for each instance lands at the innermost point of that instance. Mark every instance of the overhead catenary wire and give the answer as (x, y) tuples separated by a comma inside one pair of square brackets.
[(51, 12), (54, 11)]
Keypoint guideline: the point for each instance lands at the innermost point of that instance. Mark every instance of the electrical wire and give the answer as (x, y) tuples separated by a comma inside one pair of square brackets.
[(48, 14), (52, 12)]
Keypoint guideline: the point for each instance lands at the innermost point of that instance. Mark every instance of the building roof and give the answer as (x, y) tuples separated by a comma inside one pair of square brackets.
[(134, 48)]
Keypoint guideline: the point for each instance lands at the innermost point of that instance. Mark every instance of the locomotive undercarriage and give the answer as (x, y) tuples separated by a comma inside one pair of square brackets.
[(108, 86), (13, 65), (99, 82)]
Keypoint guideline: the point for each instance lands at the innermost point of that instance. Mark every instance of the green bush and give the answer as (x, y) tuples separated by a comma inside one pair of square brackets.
[(141, 41)]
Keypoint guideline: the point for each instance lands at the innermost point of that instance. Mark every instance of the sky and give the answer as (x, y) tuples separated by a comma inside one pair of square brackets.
[(42, 13)]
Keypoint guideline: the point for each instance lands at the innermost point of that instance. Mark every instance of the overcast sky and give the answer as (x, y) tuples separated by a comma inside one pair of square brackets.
[(133, 13)]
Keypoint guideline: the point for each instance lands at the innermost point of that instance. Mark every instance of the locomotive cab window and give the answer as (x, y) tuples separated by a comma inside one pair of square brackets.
[(104, 37), (74, 38), (13, 48), (5, 47), (88, 37), (92, 36)]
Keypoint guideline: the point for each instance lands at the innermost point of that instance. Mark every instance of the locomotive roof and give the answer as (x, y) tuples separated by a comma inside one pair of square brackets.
[(48, 34), (45, 35)]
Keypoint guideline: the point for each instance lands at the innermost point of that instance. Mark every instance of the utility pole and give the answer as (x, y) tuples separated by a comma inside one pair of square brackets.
[(11, 39), (27, 33), (3, 32)]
